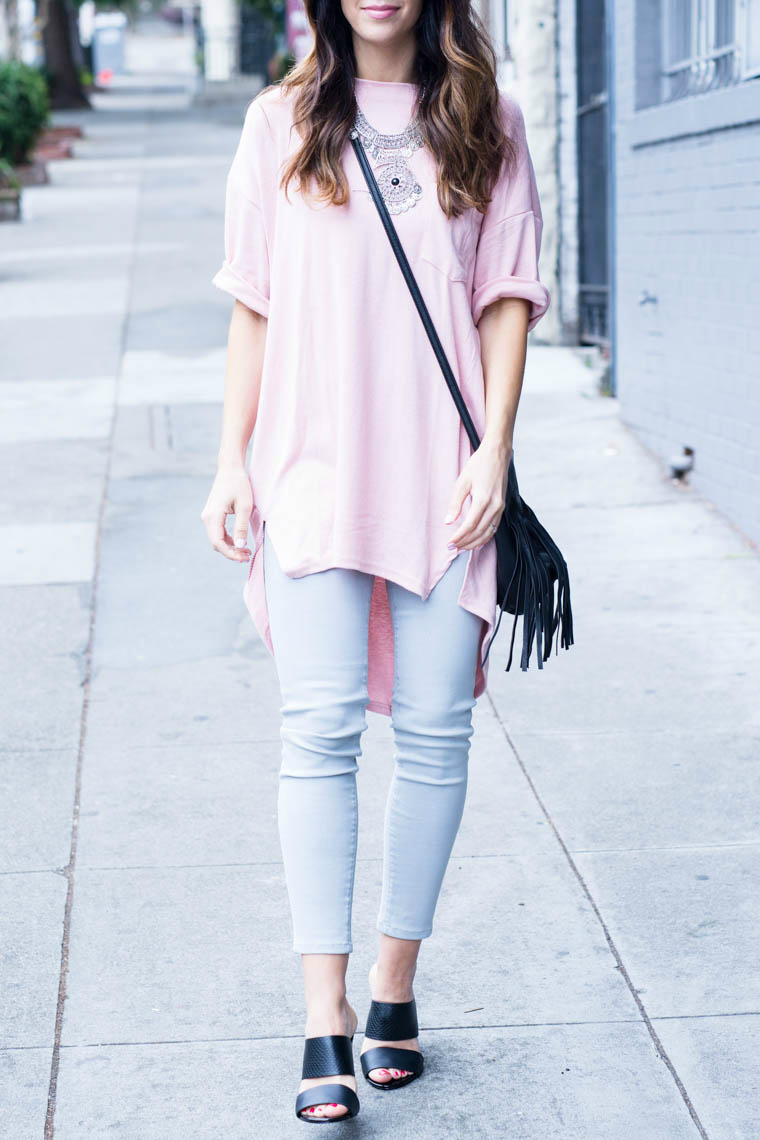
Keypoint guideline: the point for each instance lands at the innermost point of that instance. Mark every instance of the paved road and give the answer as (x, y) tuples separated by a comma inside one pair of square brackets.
[(594, 970)]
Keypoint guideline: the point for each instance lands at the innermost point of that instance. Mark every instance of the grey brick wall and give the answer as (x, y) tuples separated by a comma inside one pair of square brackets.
[(688, 233)]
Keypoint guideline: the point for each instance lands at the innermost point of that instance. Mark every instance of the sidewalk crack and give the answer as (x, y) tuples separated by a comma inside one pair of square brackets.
[(87, 671)]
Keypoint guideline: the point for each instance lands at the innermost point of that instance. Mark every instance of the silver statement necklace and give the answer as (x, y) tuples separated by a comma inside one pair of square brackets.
[(398, 185)]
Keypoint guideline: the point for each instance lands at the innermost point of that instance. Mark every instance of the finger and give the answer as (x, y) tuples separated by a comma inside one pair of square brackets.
[(216, 530), (482, 528), (488, 524), (213, 520), (242, 519), (472, 520), (481, 534), (458, 496), (237, 553), (226, 548)]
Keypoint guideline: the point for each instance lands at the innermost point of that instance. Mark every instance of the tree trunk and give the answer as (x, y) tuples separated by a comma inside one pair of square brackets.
[(61, 52)]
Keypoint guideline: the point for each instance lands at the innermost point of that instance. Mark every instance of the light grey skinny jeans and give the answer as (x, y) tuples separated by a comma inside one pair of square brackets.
[(319, 625)]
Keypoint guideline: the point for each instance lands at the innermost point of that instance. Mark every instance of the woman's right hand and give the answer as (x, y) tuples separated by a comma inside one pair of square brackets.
[(230, 494)]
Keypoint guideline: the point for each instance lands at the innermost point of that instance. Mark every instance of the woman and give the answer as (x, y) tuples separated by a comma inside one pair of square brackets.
[(372, 575)]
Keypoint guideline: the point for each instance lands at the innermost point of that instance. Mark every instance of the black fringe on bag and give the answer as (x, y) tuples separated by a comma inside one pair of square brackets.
[(528, 564)]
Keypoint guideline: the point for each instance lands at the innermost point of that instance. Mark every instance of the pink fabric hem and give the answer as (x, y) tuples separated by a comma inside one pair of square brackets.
[(533, 291), (379, 707), (231, 282), (381, 663)]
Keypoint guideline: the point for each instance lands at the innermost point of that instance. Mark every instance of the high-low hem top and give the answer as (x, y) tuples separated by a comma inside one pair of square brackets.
[(357, 443)]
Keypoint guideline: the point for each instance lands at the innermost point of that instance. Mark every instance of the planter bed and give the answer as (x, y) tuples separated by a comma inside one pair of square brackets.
[(10, 204), (32, 173)]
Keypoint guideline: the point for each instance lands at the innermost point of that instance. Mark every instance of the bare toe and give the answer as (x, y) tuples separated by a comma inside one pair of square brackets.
[(334, 1109), (382, 1076), (331, 1110)]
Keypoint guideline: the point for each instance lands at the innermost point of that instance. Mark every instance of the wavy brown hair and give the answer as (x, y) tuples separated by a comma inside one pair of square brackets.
[(459, 107)]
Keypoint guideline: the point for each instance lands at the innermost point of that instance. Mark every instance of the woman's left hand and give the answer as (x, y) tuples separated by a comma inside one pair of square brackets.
[(483, 477)]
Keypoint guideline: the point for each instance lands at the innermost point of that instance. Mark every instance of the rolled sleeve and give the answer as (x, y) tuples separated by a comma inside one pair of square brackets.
[(509, 243), (245, 269), (244, 272)]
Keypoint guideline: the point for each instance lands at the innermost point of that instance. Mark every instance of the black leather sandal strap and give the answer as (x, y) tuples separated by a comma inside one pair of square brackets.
[(328, 1094), (392, 1020), (387, 1057), (327, 1057)]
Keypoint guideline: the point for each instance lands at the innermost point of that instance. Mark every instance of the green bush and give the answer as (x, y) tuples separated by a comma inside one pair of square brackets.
[(285, 63), (23, 109)]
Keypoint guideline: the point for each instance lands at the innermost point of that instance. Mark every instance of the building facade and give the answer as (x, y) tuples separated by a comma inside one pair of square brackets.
[(644, 121), (525, 37), (687, 174)]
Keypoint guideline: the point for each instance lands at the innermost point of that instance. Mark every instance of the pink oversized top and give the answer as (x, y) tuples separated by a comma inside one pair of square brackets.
[(357, 442)]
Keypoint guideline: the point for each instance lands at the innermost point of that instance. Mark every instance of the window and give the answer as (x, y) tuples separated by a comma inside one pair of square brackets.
[(707, 44), (750, 11)]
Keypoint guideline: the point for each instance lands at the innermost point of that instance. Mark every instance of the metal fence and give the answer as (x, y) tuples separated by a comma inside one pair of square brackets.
[(708, 44)]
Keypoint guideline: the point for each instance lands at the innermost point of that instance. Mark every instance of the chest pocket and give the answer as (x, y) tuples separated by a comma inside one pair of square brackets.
[(448, 250), (448, 244), (427, 235)]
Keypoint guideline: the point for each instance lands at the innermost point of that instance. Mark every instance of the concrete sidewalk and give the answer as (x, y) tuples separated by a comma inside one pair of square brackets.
[(594, 972)]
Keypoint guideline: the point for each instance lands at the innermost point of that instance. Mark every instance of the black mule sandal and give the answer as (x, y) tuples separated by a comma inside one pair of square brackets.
[(392, 1021), (327, 1057)]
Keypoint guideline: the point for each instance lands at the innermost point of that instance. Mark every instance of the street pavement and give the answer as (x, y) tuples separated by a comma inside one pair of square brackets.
[(593, 973)]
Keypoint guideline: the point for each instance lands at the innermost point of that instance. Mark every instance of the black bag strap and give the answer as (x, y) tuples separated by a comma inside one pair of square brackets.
[(406, 269), (529, 558), (512, 494)]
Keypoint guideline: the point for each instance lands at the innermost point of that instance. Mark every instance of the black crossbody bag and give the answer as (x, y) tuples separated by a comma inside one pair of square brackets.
[(529, 564)]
